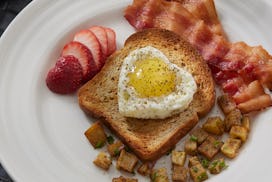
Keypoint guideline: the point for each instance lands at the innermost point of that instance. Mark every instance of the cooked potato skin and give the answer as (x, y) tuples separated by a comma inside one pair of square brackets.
[(190, 147), (96, 135), (178, 157), (193, 161), (232, 119), (216, 166), (210, 147), (197, 171), (126, 161), (200, 135), (115, 148), (123, 179), (145, 169), (159, 175), (180, 173), (214, 125), (239, 132), (231, 147), (246, 123), (103, 161), (226, 104)]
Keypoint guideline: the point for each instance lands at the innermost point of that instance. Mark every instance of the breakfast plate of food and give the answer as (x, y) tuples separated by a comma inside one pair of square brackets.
[(137, 90)]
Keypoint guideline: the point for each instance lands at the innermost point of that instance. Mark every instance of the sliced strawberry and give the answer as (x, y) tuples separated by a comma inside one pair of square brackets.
[(101, 35), (84, 56), (89, 39), (66, 76), (111, 40)]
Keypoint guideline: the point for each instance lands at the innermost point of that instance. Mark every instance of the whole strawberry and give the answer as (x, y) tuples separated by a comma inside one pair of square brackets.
[(66, 76)]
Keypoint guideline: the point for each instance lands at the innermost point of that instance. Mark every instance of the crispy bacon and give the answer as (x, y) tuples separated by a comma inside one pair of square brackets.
[(206, 11), (236, 66)]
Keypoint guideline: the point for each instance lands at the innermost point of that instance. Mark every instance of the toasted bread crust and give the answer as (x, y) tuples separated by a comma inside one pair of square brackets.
[(149, 139)]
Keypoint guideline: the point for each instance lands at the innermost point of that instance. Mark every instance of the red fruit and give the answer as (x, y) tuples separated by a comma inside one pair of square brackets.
[(111, 41), (84, 56), (101, 35), (89, 39), (66, 76)]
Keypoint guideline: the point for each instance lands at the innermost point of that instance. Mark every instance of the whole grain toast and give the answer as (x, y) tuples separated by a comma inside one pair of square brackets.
[(150, 138)]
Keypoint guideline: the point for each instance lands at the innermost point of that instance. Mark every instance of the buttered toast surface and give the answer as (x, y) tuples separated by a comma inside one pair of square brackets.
[(149, 138)]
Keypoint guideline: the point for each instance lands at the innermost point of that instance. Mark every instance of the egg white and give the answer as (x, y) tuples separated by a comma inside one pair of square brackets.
[(130, 105)]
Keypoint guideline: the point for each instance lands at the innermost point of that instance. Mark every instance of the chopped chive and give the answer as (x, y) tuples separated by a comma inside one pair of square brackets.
[(195, 169), (110, 139), (205, 163), (99, 144), (193, 138), (216, 143), (214, 163), (116, 152), (202, 176), (223, 165), (153, 176)]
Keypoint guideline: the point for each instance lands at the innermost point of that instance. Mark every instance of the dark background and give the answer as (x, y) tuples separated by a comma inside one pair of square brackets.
[(8, 11)]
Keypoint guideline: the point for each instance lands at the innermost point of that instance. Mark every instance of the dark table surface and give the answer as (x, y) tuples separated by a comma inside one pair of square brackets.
[(8, 11)]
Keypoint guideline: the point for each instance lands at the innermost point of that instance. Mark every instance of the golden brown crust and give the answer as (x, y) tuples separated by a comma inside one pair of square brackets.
[(149, 139)]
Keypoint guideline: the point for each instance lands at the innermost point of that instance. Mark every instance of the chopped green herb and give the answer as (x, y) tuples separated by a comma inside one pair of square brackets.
[(216, 143), (116, 152), (193, 138), (223, 165), (99, 144), (205, 163), (153, 176), (110, 139), (202, 176), (214, 164), (195, 169)]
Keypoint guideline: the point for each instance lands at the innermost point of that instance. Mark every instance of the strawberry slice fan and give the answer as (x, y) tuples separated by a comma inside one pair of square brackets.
[(240, 70)]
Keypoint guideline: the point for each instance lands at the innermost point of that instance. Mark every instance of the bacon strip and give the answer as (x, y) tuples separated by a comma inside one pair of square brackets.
[(235, 66), (206, 11)]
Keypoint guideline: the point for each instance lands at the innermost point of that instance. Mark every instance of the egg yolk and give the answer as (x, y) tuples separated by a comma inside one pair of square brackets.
[(152, 78)]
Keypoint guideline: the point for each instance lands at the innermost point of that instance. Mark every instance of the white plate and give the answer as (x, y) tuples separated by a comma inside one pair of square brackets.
[(41, 133)]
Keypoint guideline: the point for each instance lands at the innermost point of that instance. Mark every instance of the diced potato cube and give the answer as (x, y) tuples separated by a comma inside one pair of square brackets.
[(198, 173), (246, 123), (214, 125), (159, 175), (123, 179), (217, 166), (226, 104), (115, 148), (210, 147), (96, 135), (126, 161), (232, 119), (239, 132), (103, 161), (180, 173), (231, 147), (178, 157), (190, 147), (200, 135), (193, 161), (145, 169)]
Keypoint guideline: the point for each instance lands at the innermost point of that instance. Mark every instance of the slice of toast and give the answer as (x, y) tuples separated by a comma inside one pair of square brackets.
[(150, 138)]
